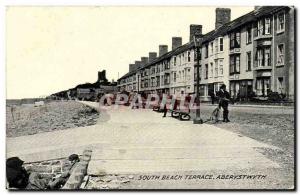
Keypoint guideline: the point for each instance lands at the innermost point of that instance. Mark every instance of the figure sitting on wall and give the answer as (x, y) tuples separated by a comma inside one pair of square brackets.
[(224, 97), (18, 177)]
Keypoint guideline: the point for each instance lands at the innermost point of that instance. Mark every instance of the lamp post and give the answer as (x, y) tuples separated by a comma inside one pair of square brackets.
[(197, 44)]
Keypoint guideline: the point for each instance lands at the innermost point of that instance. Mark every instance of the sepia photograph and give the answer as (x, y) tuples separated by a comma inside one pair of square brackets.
[(106, 98)]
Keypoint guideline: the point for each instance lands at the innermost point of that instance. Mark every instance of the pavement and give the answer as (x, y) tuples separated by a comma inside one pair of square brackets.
[(140, 141)]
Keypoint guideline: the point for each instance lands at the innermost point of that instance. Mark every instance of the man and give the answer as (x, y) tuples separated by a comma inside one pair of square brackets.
[(224, 101), (17, 176)]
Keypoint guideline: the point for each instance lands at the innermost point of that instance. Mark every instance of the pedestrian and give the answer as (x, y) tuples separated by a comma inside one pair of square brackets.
[(165, 110), (224, 97)]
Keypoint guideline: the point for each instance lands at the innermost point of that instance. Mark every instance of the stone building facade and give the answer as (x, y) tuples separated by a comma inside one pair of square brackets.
[(251, 55)]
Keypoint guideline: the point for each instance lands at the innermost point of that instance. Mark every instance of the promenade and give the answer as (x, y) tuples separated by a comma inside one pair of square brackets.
[(139, 141)]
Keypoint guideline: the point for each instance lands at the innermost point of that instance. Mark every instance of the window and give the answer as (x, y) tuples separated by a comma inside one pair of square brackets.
[(280, 86), (263, 27), (206, 71), (280, 54), (174, 76), (248, 63), (231, 66), (231, 40), (260, 27), (267, 57), (211, 48), (237, 64), (267, 26), (280, 22), (206, 51), (234, 66), (211, 70), (249, 35), (221, 44), (263, 56), (235, 40), (189, 56), (259, 57), (238, 39), (216, 68), (262, 86), (221, 67), (216, 46), (174, 60)]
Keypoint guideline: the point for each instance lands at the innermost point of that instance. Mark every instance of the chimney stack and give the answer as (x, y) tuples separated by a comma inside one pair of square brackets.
[(144, 60), (257, 7), (152, 56), (176, 42), (132, 67), (163, 49), (223, 15), (195, 29), (137, 64)]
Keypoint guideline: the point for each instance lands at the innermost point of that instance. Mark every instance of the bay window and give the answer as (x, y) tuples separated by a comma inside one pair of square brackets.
[(235, 40), (280, 22), (234, 66)]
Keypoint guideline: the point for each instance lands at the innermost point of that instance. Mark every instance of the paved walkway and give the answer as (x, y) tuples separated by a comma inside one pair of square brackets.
[(141, 141)]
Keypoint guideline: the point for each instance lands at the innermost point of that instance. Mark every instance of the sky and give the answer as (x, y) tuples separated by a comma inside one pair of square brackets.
[(50, 49)]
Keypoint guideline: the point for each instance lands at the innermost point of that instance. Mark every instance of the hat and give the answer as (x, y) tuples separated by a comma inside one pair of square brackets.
[(14, 162), (223, 86), (73, 157)]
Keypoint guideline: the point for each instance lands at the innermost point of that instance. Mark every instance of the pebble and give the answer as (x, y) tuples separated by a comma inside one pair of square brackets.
[(55, 115)]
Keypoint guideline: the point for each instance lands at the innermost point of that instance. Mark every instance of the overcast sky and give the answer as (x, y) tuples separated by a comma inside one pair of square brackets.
[(49, 49)]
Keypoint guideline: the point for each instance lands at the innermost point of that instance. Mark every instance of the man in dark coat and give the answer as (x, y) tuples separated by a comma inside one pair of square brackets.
[(224, 97)]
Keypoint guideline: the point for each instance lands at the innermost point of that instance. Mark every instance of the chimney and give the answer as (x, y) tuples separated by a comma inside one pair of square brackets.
[(137, 64), (195, 29), (152, 56), (176, 42), (144, 60), (163, 49), (132, 67), (257, 7), (223, 15)]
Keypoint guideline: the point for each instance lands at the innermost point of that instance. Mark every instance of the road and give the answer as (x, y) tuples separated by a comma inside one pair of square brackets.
[(142, 143)]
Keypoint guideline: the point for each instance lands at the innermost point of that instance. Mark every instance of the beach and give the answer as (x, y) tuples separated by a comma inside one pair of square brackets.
[(28, 119)]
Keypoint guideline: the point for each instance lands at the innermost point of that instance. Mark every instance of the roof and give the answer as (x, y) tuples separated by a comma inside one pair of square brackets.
[(228, 27), (240, 21)]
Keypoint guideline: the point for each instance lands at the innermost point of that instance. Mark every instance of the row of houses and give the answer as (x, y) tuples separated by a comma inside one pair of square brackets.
[(252, 55)]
